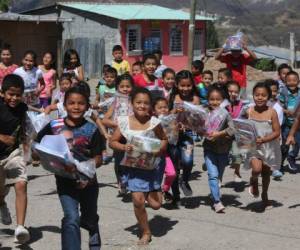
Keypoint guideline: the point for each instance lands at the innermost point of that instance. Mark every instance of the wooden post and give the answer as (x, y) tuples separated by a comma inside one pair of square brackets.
[(292, 49), (191, 33)]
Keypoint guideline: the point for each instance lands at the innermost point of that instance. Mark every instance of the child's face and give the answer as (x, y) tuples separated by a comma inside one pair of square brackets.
[(185, 87), (28, 62), (65, 84), (215, 99), (292, 82), (233, 92), (118, 54), (141, 105), (236, 53), (6, 56), (195, 71), (68, 134), (47, 59), (150, 66), (125, 87), (136, 69), (274, 91), (222, 78), (76, 106), (260, 97), (169, 81), (161, 108), (282, 74), (73, 60), (109, 79), (13, 97), (207, 79)]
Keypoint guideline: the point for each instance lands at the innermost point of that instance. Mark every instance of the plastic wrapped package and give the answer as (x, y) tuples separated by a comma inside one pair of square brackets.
[(38, 120), (170, 126), (156, 91), (234, 42), (122, 106), (215, 120)]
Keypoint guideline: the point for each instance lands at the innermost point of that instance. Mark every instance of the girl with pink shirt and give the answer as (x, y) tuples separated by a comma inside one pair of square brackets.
[(49, 75), (6, 65)]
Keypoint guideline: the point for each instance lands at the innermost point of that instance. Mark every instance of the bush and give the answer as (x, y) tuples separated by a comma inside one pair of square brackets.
[(265, 64)]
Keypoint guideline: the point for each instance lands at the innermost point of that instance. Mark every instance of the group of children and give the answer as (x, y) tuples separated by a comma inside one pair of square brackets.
[(152, 92)]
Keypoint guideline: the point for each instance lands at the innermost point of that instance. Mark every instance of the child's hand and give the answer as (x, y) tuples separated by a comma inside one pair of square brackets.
[(81, 184), (70, 168), (290, 140), (259, 141), (8, 140), (128, 148), (213, 136), (107, 136)]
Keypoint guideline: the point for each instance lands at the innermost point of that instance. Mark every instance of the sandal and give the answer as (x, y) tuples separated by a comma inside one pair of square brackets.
[(145, 239), (253, 189)]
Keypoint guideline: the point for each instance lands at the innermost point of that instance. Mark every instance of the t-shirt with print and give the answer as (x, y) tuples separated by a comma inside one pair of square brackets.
[(11, 121), (84, 140), (289, 101), (121, 67), (238, 66)]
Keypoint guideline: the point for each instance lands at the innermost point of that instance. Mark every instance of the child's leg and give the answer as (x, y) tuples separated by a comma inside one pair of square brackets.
[(154, 200), (138, 199), (174, 155), (223, 161), (21, 201), (266, 173), (170, 174), (187, 158), (256, 166), (284, 148)]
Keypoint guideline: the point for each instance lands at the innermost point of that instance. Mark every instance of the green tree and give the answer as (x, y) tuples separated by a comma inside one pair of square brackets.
[(4, 5), (212, 40)]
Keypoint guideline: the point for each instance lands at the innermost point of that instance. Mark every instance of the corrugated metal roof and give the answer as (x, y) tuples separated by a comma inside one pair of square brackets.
[(134, 11), (9, 16)]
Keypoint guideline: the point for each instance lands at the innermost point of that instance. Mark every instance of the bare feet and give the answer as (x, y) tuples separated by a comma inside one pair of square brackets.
[(253, 189), (145, 239)]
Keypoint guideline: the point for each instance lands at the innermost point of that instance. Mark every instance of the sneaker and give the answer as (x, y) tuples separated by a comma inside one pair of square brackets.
[(186, 188), (168, 197), (5, 217), (277, 174), (292, 164), (106, 159), (21, 235), (95, 242), (219, 207)]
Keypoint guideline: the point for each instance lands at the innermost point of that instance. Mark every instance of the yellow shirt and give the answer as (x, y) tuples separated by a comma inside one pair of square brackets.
[(121, 67)]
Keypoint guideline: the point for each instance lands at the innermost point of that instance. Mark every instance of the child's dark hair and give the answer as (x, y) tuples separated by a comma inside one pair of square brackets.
[(112, 71), (53, 63), (78, 89), (65, 76), (32, 54), (216, 87), (208, 72), (227, 72), (12, 81), (105, 67), (124, 77), (149, 56), (168, 71), (263, 85), (283, 66), (117, 48), (198, 64), (139, 90), (233, 83), (6, 47), (138, 63), (67, 58), (84, 87), (272, 82), (159, 99), (292, 73)]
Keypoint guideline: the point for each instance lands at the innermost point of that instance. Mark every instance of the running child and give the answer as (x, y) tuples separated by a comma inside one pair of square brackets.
[(145, 185), (168, 81)]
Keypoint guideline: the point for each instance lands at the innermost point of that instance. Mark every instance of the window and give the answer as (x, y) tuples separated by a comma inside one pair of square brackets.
[(198, 44), (176, 40), (156, 38), (134, 38)]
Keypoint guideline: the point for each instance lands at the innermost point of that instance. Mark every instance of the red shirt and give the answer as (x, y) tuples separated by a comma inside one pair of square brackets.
[(238, 66), (140, 81), (9, 70), (197, 79)]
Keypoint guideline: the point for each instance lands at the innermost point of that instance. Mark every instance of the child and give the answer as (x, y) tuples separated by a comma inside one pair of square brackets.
[(87, 144), (234, 108), (6, 65), (197, 68), (49, 75), (33, 79), (267, 155), (207, 79), (237, 62), (73, 66), (168, 80), (104, 69), (160, 107), (137, 68), (184, 90), (282, 70), (13, 168), (289, 102), (160, 67), (147, 78), (216, 148), (145, 185), (224, 76), (122, 66)]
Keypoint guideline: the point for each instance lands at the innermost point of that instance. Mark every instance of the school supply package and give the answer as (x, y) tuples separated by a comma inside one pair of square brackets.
[(170, 126), (246, 134), (215, 120), (122, 106), (234, 42)]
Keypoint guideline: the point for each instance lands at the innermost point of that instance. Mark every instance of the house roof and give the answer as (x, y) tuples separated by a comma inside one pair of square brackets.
[(134, 11), (9, 16)]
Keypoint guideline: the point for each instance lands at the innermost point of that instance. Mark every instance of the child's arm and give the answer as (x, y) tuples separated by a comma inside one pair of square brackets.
[(275, 127), (41, 85), (196, 100), (107, 120), (53, 86), (115, 144), (159, 132), (219, 54), (228, 132), (8, 140), (32, 108), (80, 76), (50, 108), (250, 52), (291, 137), (100, 125)]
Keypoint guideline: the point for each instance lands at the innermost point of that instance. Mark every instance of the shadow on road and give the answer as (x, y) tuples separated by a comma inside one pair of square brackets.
[(236, 186), (258, 206), (294, 206), (159, 225), (195, 175)]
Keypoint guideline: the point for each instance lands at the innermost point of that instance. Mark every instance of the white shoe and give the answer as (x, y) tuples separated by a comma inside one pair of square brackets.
[(21, 235), (219, 207), (5, 217)]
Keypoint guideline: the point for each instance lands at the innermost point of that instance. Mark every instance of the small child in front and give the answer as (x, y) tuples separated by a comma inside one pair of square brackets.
[(122, 66)]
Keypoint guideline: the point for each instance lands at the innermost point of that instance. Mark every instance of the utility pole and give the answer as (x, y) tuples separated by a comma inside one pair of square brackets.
[(191, 33), (292, 49)]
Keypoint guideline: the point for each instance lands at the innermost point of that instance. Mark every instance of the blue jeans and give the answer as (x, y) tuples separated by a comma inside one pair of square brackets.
[(215, 164), (285, 148), (70, 198)]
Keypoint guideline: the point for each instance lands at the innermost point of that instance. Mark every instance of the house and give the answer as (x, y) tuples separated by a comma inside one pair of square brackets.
[(40, 33), (139, 28)]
